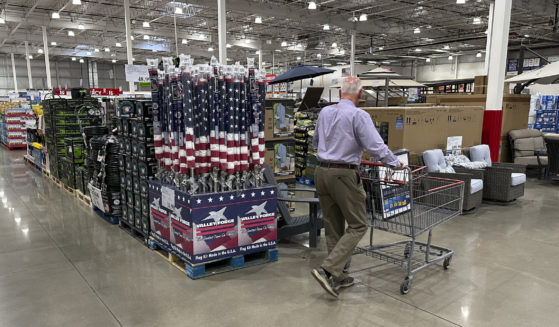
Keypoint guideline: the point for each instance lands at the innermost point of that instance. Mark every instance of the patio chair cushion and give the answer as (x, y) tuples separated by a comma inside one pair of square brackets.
[(435, 162), (527, 146), (524, 133), (517, 179), (530, 160), (481, 153), (476, 185)]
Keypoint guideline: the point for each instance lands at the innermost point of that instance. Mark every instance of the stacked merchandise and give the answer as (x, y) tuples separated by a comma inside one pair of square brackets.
[(544, 113), (305, 123), (207, 201), (104, 186), (137, 161), (12, 126), (65, 119)]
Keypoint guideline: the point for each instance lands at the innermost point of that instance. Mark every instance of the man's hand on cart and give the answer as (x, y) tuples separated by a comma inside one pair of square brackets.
[(401, 167)]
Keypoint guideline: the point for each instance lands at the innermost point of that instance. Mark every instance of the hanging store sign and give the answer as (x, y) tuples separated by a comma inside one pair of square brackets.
[(136, 73)]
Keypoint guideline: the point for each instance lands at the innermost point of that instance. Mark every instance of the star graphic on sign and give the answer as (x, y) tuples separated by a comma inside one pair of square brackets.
[(263, 193), (231, 197), (210, 200), (272, 192), (220, 198), (243, 195), (252, 194), (198, 201)]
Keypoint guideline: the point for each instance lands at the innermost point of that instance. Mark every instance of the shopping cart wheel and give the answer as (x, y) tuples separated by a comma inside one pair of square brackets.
[(405, 287), (446, 262)]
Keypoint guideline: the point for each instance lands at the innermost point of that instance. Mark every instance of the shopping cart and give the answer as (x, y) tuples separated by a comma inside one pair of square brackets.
[(408, 202)]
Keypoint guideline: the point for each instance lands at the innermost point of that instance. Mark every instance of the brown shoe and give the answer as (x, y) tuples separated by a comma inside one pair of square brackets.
[(324, 281)]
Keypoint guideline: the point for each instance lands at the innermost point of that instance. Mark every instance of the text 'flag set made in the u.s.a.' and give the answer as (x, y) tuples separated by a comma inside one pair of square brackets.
[(208, 124)]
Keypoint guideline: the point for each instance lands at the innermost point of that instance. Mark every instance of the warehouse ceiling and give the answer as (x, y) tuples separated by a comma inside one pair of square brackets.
[(289, 32)]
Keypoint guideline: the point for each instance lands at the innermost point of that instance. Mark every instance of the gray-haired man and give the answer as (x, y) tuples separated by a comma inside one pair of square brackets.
[(343, 131)]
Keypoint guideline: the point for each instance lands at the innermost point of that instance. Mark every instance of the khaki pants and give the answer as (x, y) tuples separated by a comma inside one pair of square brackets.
[(342, 199)]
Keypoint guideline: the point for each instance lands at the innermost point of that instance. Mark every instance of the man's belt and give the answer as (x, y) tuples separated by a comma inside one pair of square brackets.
[(337, 165)]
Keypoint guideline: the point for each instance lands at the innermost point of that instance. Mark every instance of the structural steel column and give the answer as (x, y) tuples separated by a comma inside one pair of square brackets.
[(28, 65), (14, 72), (352, 55), (492, 121), (489, 37), (260, 59), (221, 31), (47, 60), (128, 40)]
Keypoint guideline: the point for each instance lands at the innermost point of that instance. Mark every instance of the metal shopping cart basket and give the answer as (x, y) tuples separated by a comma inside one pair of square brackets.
[(409, 203)]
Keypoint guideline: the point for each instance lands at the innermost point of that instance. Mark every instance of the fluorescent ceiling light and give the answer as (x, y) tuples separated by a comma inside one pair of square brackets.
[(319, 56), (342, 52), (334, 45), (88, 53), (96, 50), (312, 5), (2, 20), (417, 50), (55, 15), (132, 37), (107, 50), (228, 45), (145, 24), (81, 61), (146, 37), (30, 57), (258, 20), (446, 47), (283, 43), (153, 50), (428, 60), (298, 58), (81, 27), (247, 41), (184, 41), (40, 51), (478, 55), (210, 49), (450, 57), (257, 52), (476, 21), (363, 18), (326, 27), (178, 10), (114, 60), (460, 2), (268, 41), (133, 59), (76, 2), (526, 35), (118, 45), (341, 63), (53, 43), (417, 30), (381, 48), (73, 58), (71, 33)]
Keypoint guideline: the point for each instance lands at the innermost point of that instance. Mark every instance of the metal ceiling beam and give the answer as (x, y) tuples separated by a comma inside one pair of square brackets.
[(22, 21), (539, 7)]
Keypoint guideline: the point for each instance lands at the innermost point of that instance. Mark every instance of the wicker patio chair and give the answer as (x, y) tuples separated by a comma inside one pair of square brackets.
[(528, 148)]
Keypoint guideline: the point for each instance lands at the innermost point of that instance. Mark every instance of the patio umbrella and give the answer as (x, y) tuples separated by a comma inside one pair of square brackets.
[(300, 72), (546, 75)]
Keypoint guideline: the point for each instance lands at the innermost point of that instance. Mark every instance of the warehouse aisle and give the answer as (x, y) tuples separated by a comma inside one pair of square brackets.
[(61, 265)]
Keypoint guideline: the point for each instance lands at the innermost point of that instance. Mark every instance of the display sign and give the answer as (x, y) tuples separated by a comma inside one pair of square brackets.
[(136, 73), (454, 145), (96, 197), (270, 77), (94, 91)]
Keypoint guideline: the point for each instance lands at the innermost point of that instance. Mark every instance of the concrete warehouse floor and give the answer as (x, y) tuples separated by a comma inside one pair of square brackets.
[(62, 265)]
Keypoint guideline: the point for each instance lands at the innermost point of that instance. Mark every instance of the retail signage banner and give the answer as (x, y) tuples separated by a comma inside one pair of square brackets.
[(270, 77), (136, 73), (94, 91)]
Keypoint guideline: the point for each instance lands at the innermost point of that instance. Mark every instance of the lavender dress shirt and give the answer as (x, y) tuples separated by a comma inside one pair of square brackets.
[(343, 131)]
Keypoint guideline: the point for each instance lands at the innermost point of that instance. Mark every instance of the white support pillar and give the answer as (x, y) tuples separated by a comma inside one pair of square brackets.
[(14, 72), (260, 59), (28, 65), (489, 36), (222, 31), (131, 87), (47, 60), (456, 67), (176, 36), (498, 54), (352, 55)]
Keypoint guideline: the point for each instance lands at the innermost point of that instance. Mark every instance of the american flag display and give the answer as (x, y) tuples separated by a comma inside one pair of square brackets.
[(209, 130)]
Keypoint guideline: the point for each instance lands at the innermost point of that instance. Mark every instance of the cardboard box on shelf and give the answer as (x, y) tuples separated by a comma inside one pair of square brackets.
[(420, 129), (279, 121)]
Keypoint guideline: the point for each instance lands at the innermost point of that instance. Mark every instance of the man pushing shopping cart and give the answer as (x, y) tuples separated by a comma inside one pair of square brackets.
[(385, 195)]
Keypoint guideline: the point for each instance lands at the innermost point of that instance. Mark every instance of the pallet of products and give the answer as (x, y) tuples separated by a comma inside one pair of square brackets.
[(208, 203), (12, 126), (544, 113), (137, 164), (65, 119)]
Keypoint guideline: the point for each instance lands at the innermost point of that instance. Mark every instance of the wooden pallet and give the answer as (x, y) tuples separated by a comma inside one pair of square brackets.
[(46, 172), (84, 199), (111, 219), (68, 188), (55, 180), (134, 231), (200, 270)]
